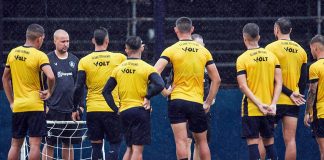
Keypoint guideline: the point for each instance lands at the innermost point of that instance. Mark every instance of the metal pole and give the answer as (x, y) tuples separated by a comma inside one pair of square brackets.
[(134, 21), (319, 17), (159, 20)]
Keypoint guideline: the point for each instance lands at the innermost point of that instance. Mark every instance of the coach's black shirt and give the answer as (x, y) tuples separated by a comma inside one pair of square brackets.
[(65, 71)]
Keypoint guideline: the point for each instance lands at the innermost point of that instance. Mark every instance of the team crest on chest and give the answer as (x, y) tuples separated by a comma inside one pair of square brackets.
[(72, 64)]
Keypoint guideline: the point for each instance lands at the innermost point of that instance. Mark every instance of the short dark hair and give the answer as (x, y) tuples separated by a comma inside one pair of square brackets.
[(284, 25), (252, 30), (34, 31), (184, 24), (100, 34), (317, 39), (134, 42), (195, 36)]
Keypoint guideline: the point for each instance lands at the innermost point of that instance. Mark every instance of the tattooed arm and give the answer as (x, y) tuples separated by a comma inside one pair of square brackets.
[(310, 102)]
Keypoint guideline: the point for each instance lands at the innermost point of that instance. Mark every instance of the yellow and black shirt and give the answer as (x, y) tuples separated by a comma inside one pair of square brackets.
[(291, 57), (97, 68), (132, 79), (188, 59), (259, 67), (316, 74), (25, 65)]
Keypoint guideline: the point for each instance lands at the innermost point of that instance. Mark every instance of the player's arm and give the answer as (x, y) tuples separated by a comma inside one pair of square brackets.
[(277, 90), (303, 78), (215, 83), (155, 86), (241, 79), (79, 89), (75, 76), (310, 101), (161, 63), (7, 86), (107, 93), (46, 68)]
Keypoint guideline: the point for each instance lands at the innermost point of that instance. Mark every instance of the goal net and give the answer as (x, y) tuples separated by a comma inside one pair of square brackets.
[(57, 132)]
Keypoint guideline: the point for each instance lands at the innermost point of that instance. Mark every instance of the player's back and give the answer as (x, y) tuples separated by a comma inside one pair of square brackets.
[(259, 67), (188, 59), (132, 78), (291, 57), (25, 64), (98, 67), (316, 73)]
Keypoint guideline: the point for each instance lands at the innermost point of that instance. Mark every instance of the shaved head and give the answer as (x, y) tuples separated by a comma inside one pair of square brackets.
[(60, 33)]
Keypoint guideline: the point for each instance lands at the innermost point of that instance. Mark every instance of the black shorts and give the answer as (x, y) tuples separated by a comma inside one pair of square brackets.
[(180, 111), (104, 124), (286, 110), (208, 128), (66, 133), (136, 124), (318, 128), (32, 122), (253, 127)]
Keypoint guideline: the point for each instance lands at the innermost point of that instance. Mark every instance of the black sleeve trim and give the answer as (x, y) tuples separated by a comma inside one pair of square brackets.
[(277, 66), (106, 92), (286, 91), (79, 90), (44, 64), (209, 62), (155, 86), (241, 72), (313, 80), (7, 66), (166, 58), (302, 79)]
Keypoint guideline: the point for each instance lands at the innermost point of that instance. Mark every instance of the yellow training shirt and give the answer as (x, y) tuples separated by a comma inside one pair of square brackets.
[(316, 74), (259, 67), (98, 67), (188, 59), (132, 78), (291, 57), (25, 65)]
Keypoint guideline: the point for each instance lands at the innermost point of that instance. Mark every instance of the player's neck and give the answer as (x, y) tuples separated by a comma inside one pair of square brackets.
[(320, 56), (182, 37), (29, 44), (61, 55), (100, 48), (252, 45), (284, 37), (134, 56)]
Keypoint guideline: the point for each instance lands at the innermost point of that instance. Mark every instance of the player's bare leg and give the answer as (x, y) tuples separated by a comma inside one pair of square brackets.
[(128, 153), (48, 152), (289, 126), (320, 142), (180, 138), (262, 149), (137, 152), (67, 151), (196, 153), (15, 148), (34, 153), (201, 142), (189, 141)]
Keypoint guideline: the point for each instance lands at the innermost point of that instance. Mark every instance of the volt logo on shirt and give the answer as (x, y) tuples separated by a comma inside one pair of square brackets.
[(103, 63), (190, 49), (130, 71), (260, 59), (288, 49), (20, 58)]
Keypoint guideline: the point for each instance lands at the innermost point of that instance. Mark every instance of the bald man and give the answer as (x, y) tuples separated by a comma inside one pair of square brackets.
[(59, 106)]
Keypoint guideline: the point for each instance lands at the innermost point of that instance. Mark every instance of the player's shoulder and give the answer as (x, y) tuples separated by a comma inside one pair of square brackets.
[(317, 64), (273, 44), (118, 55)]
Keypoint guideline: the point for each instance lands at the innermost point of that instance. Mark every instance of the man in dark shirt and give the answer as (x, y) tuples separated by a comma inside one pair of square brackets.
[(59, 106)]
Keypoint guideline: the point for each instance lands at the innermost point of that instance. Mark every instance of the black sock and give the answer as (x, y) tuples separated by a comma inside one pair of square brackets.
[(254, 152), (113, 151), (184, 159), (271, 152), (96, 151)]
